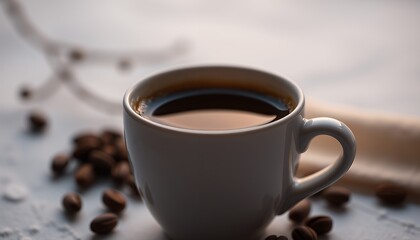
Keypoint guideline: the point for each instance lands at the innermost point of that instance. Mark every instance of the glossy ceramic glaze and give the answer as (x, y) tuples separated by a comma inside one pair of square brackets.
[(225, 184)]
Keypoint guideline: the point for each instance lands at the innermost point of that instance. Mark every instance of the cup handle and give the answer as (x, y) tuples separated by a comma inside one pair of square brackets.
[(304, 187)]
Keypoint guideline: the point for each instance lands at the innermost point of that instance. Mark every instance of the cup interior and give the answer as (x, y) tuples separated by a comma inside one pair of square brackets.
[(213, 77)]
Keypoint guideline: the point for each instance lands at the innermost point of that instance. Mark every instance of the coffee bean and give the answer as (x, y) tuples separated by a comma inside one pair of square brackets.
[(25, 93), (59, 163), (101, 162), (110, 150), (84, 147), (337, 196), (122, 154), (271, 237), (320, 224), (37, 121), (104, 223), (80, 137), (282, 238), (84, 175), (300, 211), (304, 233), (109, 135), (120, 172), (72, 203), (114, 200), (390, 194)]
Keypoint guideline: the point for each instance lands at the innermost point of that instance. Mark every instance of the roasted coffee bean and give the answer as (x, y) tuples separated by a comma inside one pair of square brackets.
[(281, 237), (122, 154), (390, 194), (84, 175), (72, 203), (114, 200), (300, 211), (25, 93), (59, 163), (104, 223), (101, 162), (110, 150), (304, 233), (37, 121), (80, 137), (120, 172), (320, 224), (83, 148), (337, 196), (110, 135)]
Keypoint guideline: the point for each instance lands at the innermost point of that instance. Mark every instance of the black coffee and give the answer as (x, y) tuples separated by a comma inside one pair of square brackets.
[(214, 109)]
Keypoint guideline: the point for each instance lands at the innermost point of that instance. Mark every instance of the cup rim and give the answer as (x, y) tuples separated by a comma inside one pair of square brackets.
[(130, 111)]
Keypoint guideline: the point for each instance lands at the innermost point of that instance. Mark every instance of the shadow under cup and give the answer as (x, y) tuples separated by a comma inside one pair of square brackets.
[(202, 184)]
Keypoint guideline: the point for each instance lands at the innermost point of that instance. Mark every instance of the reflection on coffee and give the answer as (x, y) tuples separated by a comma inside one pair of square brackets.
[(213, 109)]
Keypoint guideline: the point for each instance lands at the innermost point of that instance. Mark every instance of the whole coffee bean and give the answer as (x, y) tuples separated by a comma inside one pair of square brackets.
[(82, 136), (390, 194), (114, 200), (104, 223), (110, 135), (83, 148), (120, 172), (304, 233), (320, 224), (122, 154), (110, 150), (101, 162), (337, 196), (72, 202), (37, 121), (281, 237), (59, 163), (300, 211), (84, 175)]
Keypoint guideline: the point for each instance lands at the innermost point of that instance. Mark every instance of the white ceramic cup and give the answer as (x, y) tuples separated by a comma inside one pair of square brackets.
[(203, 184)]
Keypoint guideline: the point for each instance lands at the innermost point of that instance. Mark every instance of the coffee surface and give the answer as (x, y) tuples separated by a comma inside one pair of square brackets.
[(214, 109)]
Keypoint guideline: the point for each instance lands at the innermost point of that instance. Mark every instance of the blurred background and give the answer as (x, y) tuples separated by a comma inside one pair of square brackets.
[(360, 53)]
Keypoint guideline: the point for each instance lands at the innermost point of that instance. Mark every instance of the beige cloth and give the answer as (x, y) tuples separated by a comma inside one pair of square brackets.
[(388, 148)]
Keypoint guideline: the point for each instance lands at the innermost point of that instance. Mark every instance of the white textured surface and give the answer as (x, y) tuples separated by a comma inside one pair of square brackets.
[(362, 53)]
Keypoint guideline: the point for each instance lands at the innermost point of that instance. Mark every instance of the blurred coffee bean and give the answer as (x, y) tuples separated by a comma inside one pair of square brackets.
[(320, 224), (390, 194), (37, 121), (102, 162), (110, 150), (84, 175), (271, 237), (84, 147), (281, 237), (122, 154), (114, 200), (104, 223), (87, 135), (59, 163), (120, 172), (72, 203), (109, 135), (300, 211), (337, 196), (304, 233)]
